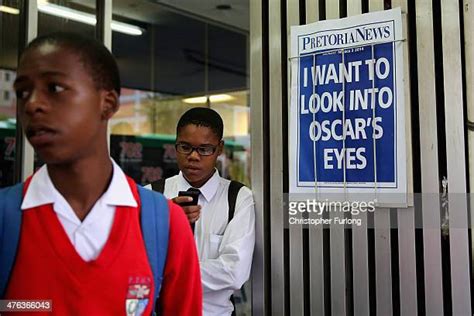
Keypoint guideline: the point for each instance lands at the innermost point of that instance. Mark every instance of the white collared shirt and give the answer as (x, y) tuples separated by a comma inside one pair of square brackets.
[(225, 251), (90, 235)]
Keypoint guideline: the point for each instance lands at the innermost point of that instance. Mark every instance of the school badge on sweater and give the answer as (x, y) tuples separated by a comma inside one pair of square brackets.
[(138, 295)]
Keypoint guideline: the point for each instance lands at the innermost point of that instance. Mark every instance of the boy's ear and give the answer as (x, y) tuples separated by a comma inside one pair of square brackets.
[(220, 148), (110, 104)]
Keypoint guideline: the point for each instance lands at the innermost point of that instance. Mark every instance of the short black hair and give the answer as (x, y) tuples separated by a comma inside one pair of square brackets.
[(202, 117), (95, 57)]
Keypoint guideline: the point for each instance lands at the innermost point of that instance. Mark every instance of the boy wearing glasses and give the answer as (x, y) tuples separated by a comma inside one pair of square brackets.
[(225, 247)]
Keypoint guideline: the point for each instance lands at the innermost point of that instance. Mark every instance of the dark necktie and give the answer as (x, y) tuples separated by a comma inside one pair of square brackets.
[(193, 190)]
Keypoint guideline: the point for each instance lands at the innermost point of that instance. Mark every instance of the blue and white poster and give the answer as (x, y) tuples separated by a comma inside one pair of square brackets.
[(347, 120)]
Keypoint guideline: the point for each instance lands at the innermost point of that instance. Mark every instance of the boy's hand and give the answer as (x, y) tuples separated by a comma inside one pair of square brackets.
[(192, 211)]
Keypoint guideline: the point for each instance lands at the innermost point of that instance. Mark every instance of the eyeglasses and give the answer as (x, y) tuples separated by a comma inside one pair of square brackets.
[(184, 148)]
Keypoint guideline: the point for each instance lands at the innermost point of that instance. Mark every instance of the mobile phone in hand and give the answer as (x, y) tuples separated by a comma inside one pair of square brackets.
[(193, 194)]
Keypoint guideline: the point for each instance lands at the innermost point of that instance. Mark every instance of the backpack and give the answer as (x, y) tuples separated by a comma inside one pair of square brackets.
[(234, 188), (154, 222)]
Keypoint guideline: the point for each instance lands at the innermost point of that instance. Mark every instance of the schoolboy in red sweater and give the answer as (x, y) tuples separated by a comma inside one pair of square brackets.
[(81, 245)]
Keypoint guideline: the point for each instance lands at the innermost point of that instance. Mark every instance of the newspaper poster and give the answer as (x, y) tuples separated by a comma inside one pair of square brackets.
[(347, 119)]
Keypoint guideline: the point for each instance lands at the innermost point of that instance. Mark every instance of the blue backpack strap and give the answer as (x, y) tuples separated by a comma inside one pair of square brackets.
[(10, 223), (155, 228)]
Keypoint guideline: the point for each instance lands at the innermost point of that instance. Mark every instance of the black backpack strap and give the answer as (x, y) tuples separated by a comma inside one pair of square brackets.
[(234, 188), (159, 185), (232, 300)]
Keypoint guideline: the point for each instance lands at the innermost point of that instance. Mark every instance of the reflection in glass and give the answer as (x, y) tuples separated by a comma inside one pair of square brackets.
[(66, 16), (178, 62), (76, 15), (154, 116), (183, 59), (9, 37)]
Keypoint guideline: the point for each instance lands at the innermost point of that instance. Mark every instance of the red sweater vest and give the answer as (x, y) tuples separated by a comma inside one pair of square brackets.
[(118, 282)]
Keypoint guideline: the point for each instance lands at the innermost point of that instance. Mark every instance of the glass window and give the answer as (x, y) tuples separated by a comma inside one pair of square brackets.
[(182, 59), (9, 36), (68, 16), (178, 62)]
